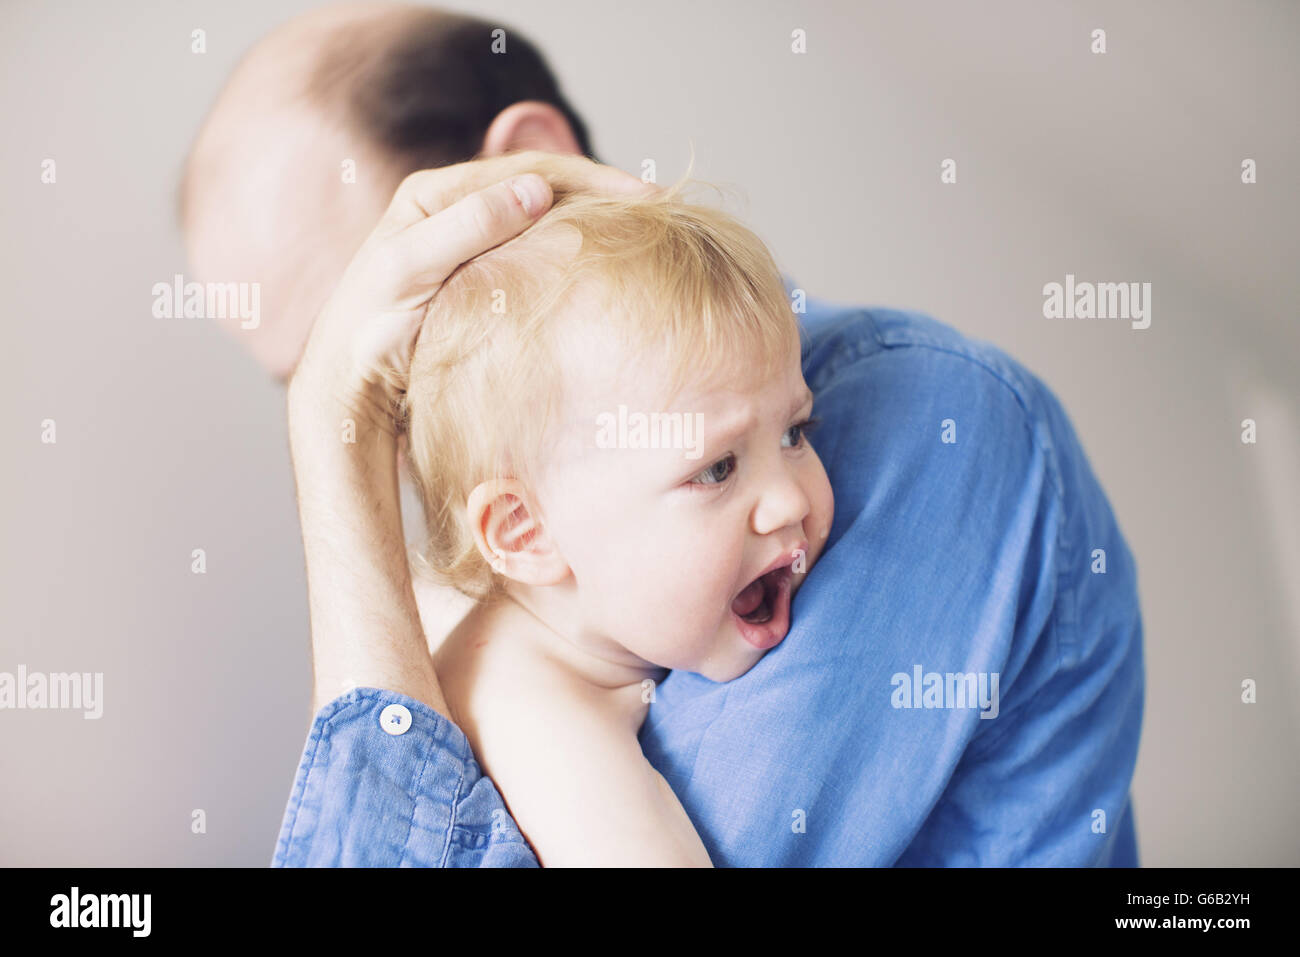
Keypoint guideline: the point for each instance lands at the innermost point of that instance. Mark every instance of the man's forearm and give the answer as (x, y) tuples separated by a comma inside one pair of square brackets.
[(365, 624), (371, 792)]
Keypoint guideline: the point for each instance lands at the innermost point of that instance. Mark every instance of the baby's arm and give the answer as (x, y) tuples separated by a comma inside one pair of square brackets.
[(585, 796)]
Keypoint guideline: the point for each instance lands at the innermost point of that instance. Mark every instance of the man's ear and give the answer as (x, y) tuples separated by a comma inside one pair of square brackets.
[(510, 536), (530, 125)]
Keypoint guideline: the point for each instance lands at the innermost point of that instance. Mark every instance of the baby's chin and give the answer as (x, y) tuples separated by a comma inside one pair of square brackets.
[(734, 658), (723, 671)]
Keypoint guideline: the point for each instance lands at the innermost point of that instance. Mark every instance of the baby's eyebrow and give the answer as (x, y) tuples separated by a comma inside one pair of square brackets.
[(726, 437)]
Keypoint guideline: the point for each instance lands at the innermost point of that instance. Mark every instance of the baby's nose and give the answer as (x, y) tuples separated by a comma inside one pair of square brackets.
[(782, 504)]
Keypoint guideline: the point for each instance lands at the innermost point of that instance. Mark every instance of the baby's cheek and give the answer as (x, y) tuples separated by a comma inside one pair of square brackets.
[(669, 624), (689, 595), (822, 513), (705, 586)]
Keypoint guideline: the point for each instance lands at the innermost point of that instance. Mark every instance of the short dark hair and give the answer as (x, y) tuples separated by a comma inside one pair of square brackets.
[(426, 92)]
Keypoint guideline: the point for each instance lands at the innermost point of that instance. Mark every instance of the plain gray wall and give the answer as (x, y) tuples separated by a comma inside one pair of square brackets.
[(1115, 167)]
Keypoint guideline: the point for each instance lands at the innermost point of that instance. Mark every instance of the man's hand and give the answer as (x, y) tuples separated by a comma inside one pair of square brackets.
[(344, 393), (361, 344)]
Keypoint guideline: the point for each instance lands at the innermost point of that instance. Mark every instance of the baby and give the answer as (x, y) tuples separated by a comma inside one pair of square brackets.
[(606, 422)]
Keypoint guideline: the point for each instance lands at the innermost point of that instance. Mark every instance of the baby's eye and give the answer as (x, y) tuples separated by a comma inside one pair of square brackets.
[(797, 433), (717, 473)]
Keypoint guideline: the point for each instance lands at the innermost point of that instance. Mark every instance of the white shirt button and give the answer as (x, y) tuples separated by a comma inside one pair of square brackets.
[(395, 719)]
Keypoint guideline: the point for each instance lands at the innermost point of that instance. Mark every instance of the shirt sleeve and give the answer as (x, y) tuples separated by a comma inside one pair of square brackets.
[(386, 781)]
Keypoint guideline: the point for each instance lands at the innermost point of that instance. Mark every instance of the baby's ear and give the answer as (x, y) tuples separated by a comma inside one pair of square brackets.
[(510, 536)]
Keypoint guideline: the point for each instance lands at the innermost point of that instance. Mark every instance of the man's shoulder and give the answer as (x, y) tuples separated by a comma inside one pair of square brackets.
[(848, 346), (836, 336), (886, 368)]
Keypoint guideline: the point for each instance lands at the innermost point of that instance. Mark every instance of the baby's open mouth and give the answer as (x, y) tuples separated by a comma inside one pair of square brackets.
[(756, 603), (762, 609)]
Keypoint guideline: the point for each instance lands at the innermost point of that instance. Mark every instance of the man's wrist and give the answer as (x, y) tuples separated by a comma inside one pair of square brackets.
[(345, 470), (319, 396)]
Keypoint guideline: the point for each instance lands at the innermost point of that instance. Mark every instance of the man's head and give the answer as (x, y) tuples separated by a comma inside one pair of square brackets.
[(605, 422), (319, 123)]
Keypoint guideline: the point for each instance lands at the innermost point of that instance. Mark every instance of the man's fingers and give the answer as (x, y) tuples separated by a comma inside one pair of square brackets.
[(611, 179), (424, 193), (430, 250), (423, 243)]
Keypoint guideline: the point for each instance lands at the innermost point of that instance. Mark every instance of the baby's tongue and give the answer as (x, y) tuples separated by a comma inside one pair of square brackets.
[(749, 599)]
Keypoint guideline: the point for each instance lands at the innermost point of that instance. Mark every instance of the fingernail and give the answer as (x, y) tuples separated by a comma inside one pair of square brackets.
[(531, 190)]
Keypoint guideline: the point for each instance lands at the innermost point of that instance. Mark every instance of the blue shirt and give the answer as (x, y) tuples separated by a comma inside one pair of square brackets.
[(962, 683)]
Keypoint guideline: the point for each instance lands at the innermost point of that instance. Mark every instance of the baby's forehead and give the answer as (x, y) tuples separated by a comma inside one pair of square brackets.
[(602, 369), (600, 363)]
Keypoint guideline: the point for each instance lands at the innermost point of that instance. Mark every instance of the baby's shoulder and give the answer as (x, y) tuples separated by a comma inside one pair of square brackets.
[(508, 697)]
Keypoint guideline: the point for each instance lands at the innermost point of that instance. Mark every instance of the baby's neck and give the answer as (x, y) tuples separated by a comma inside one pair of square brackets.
[(510, 640), (546, 628)]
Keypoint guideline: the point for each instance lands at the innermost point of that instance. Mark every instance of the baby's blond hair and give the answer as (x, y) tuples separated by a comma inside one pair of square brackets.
[(691, 286)]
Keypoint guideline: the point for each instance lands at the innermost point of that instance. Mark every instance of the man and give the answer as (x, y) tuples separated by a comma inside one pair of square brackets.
[(963, 680)]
